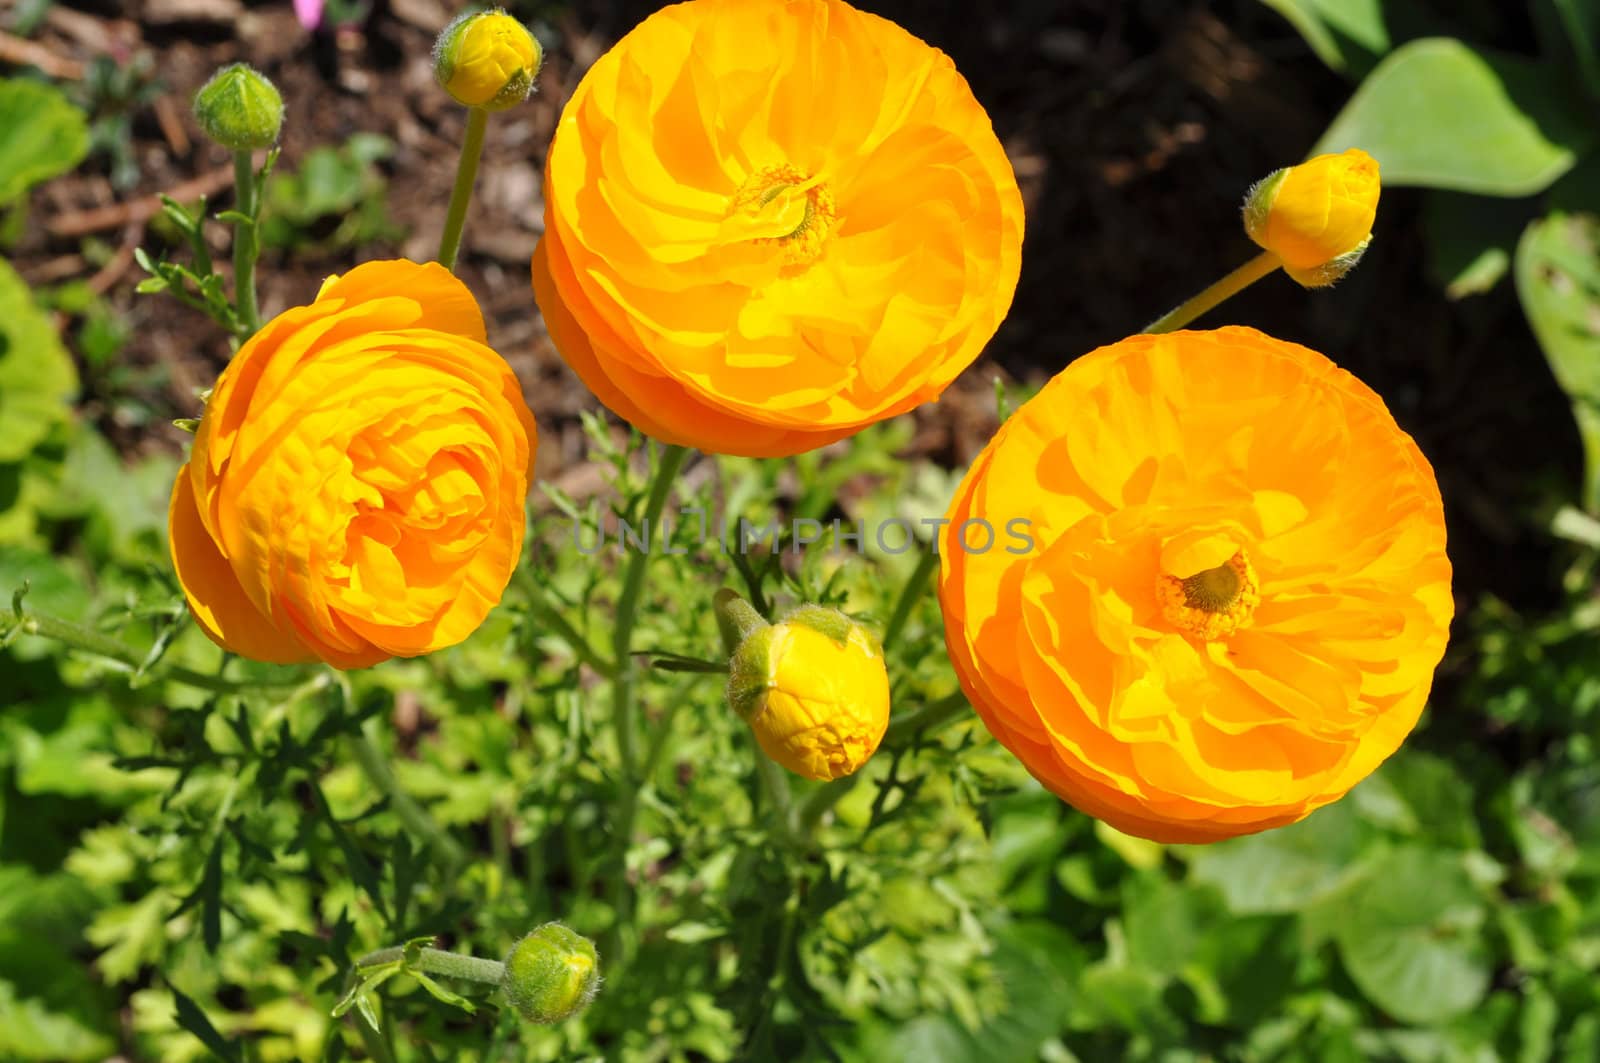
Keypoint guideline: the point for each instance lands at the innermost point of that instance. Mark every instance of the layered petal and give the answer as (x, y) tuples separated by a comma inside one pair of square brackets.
[(357, 486), (1238, 592), (768, 225)]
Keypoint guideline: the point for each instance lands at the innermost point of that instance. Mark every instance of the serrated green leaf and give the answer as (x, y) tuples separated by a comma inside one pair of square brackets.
[(31, 1031), (1558, 280), (42, 135), (1442, 114)]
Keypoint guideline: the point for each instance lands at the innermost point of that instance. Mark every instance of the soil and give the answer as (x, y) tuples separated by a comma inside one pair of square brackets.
[(1134, 129)]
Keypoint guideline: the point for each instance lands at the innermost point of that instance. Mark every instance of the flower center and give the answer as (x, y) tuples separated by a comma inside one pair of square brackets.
[(1212, 603), (781, 206)]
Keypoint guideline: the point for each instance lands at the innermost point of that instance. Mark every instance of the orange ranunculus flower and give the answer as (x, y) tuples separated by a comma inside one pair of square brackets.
[(1317, 216), (769, 224), (1236, 594), (357, 484)]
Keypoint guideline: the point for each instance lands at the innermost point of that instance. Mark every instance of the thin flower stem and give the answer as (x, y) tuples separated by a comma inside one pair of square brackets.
[(376, 1047), (622, 701), (929, 717), (1226, 288), (246, 248), (776, 785), (376, 767), (910, 592), (91, 641), (440, 962), (902, 731), (672, 459), (547, 611), (455, 219)]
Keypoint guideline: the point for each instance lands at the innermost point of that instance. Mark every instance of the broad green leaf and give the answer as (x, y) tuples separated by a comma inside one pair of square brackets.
[(36, 375), (1558, 280), (41, 136), (1343, 33), (1410, 936), (1471, 239), (1442, 114), (1285, 869)]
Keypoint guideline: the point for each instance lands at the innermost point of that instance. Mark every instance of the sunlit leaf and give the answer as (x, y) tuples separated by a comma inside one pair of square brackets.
[(1440, 113), (42, 135)]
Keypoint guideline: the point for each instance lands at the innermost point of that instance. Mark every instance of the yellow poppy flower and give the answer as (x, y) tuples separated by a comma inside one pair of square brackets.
[(1236, 592), (358, 479), (769, 224)]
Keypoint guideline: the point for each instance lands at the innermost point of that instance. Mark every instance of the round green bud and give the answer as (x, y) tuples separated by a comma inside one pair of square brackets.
[(552, 974), (239, 108)]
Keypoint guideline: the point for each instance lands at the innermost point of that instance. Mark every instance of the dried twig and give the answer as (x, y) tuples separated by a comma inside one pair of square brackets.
[(83, 222)]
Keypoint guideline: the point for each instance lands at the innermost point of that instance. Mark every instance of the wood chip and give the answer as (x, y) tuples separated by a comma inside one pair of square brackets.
[(83, 222), (27, 53)]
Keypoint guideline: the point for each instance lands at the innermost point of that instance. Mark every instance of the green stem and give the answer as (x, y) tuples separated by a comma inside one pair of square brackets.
[(776, 785), (377, 1049), (737, 619), (540, 604), (902, 731), (929, 717), (247, 201), (622, 706), (666, 473), (91, 641), (376, 766), (909, 594), (437, 961), (455, 219), (1227, 287)]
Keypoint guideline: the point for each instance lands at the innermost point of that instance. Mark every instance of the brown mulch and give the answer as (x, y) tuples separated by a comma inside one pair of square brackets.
[(1134, 128)]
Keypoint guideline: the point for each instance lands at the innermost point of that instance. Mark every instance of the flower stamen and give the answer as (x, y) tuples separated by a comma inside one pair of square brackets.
[(1213, 603), (804, 214)]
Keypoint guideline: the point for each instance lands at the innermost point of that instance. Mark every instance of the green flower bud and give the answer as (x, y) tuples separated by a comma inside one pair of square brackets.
[(552, 974), (487, 59), (239, 108)]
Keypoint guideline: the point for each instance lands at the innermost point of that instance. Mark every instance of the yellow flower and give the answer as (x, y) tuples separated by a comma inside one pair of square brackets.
[(487, 59), (1316, 217), (815, 691), (357, 484), (771, 223), (1236, 593)]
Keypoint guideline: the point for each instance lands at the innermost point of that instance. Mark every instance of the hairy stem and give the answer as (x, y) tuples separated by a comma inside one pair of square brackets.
[(246, 246), (455, 219), (1226, 288), (437, 961), (376, 767)]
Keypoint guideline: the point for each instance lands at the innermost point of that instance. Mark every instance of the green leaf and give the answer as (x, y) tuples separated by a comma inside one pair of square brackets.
[(1442, 114), (41, 136), (191, 1018), (1345, 34), (29, 1030), (1410, 936), (1558, 280), (1283, 870), (36, 375)]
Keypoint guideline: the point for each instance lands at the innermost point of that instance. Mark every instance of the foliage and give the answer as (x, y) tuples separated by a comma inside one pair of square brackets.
[(1454, 114), (195, 852), (42, 135), (337, 199)]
